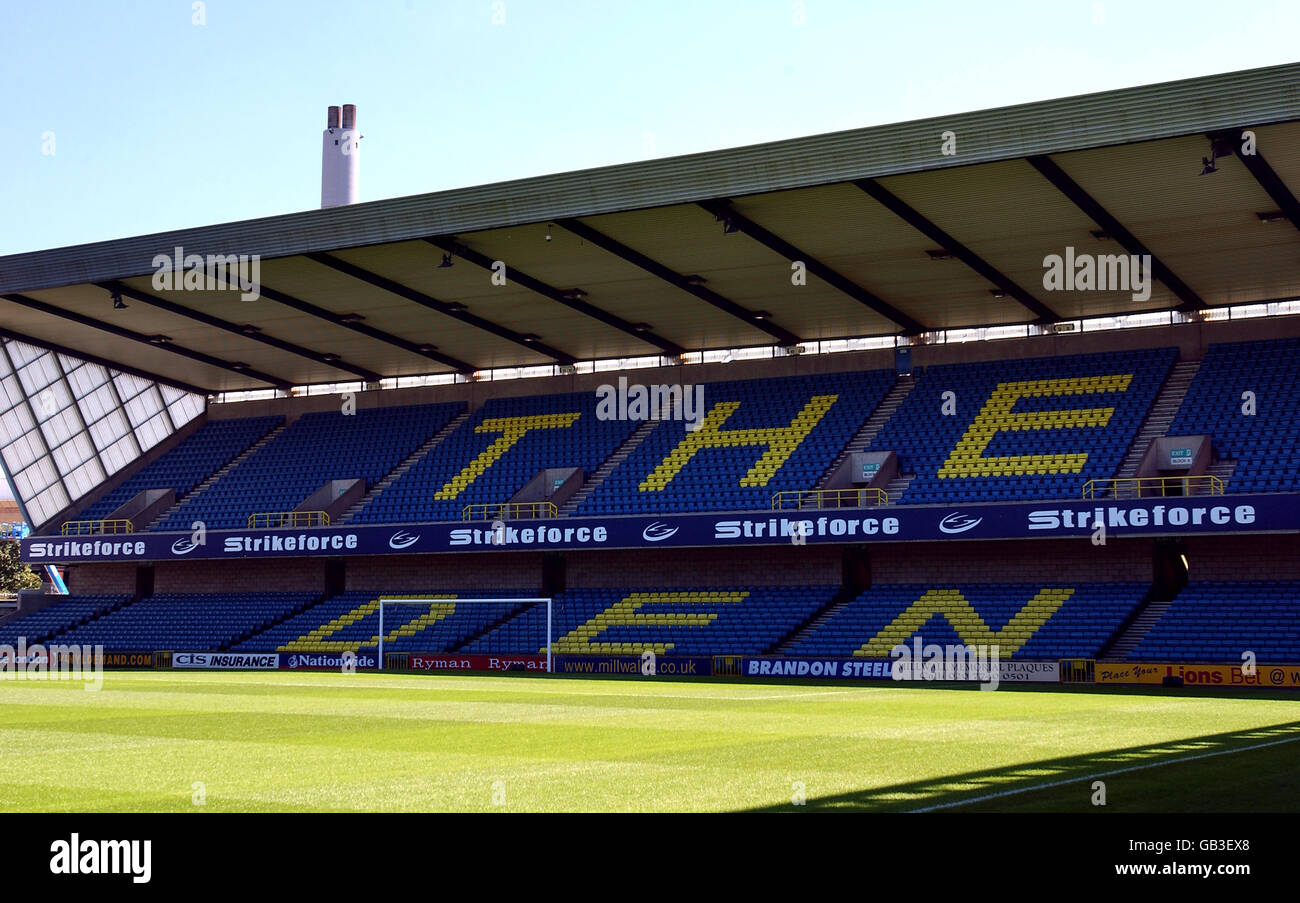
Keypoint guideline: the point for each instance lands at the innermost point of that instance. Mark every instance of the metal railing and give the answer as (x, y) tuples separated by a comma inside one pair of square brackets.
[(509, 511), (274, 519), (1151, 487), (89, 527), (830, 498)]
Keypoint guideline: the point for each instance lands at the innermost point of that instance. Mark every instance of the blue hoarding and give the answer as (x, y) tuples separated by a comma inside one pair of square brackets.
[(1177, 516)]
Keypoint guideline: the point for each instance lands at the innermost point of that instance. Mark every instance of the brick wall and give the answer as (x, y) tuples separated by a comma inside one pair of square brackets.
[(1244, 557), (92, 579), (790, 565), (1050, 561), (461, 573), (249, 576)]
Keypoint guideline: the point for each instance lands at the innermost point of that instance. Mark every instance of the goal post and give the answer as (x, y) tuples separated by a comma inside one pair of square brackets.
[(386, 601)]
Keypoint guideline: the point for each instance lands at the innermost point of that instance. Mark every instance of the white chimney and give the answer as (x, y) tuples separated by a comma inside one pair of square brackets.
[(340, 173)]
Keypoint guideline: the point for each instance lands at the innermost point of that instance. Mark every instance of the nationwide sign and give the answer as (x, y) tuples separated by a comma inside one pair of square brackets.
[(328, 661), (1169, 516)]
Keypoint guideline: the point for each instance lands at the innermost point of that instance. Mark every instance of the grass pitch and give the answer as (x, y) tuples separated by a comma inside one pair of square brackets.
[(162, 741)]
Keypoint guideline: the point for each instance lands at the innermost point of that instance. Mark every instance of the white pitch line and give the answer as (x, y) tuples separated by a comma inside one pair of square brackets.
[(1103, 774)]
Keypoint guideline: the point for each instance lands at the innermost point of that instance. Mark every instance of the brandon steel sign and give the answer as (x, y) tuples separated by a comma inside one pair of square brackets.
[(894, 523)]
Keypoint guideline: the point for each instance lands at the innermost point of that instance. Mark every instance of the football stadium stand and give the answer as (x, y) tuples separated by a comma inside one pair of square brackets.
[(67, 613), (758, 437), (495, 452), (1009, 430), (1037, 428), (314, 449), (1016, 429), (745, 620), (211, 447), (350, 622), (1026, 621), (1218, 621), (1264, 443), (922, 342), (193, 622), (1208, 622)]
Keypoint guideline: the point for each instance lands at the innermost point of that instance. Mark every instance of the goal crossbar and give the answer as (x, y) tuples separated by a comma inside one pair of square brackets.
[(385, 601)]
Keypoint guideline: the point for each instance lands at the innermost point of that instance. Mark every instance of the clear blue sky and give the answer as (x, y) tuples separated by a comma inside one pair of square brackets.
[(159, 123)]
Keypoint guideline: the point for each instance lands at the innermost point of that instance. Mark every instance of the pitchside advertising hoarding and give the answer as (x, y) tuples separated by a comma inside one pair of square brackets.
[(903, 523), (745, 667), (1219, 675), (883, 669), (274, 661)]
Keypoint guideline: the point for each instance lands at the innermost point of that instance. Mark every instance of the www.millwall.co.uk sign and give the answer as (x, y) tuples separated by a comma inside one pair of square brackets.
[(903, 523)]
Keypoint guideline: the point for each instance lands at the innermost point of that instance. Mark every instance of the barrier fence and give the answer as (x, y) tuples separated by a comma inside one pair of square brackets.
[(1064, 671)]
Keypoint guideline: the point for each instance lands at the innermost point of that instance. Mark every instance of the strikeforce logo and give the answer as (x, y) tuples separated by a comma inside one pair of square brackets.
[(657, 532), (184, 546), (959, 523), (1114, 517), (103, 857), (402, 540)]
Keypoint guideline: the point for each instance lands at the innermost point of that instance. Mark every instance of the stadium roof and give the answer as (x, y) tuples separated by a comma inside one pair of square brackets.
[(695, 252)]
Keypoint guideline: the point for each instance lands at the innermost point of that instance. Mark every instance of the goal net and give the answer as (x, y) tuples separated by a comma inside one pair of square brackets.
[(390, 606)]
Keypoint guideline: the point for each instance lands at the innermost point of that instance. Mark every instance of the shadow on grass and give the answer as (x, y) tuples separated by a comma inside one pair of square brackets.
[(951, 792)]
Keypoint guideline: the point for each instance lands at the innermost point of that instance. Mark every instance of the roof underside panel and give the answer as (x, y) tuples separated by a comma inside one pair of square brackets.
[(1132, 156)]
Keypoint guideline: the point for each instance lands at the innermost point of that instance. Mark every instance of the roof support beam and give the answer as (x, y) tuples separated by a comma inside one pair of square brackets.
[(1127, 240), (377, 334), (723, 210), (920, 223), (442, 307), (123, 332), (106, 364), (1268, 179), (654, 268), (452, 246), (236, 329)]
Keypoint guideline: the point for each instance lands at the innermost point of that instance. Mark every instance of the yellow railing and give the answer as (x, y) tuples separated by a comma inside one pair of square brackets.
[(1147, 487), (272, 519), (830, 498), (86, 527), (509, 511)]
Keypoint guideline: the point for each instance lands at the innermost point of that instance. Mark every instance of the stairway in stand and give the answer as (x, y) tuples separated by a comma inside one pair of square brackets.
[(1161, 415), (1128, 640), (619, 455), (207, 484), (401, 469)]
